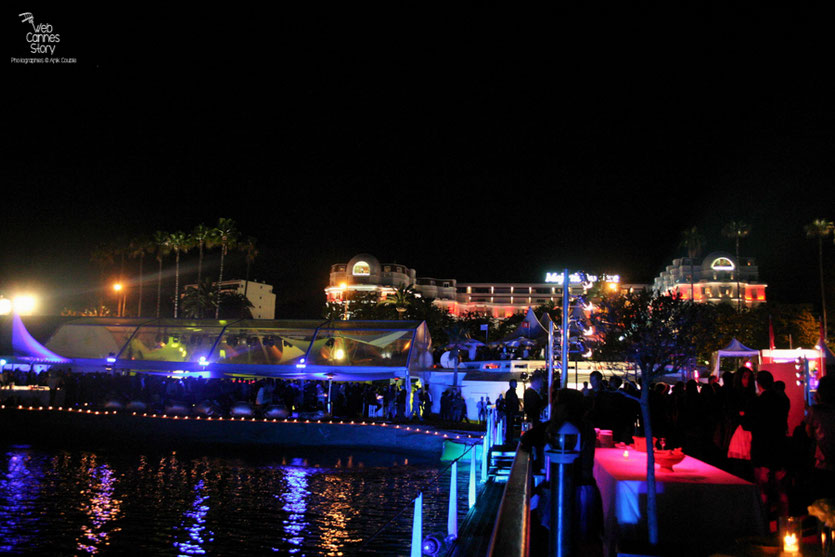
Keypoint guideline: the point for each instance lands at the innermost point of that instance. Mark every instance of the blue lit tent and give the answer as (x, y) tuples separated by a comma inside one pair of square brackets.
[(17, 345), (312, 349)]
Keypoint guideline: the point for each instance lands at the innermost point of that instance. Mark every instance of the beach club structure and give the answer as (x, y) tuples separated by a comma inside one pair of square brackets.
[(287, 349)]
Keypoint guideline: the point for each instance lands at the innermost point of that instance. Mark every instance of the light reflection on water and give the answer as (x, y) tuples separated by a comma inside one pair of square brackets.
[(98, 503), (76, 502), (18, 492)]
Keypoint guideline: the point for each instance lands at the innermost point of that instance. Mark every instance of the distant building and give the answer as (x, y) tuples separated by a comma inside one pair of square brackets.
[(713, 279), (364, 274), (258, 293)]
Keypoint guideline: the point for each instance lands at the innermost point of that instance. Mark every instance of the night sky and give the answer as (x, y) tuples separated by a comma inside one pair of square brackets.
[(478, 146)]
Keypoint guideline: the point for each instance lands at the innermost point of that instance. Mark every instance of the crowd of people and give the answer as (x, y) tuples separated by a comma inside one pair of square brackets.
[(158, 392), (738, 423)]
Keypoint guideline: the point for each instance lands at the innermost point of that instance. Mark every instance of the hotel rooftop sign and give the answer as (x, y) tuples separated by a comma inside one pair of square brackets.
[(579, 278)]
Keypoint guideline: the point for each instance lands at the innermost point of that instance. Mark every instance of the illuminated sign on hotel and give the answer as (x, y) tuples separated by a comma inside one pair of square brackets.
[(722, 264), (577, 278)]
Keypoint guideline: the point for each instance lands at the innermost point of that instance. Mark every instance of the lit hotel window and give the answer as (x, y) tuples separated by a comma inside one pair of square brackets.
[(361, 269)]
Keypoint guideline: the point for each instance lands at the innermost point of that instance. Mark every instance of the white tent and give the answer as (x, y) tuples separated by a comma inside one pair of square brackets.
[(734, 349)]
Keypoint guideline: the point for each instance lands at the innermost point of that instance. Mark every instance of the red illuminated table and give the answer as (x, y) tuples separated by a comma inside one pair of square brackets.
[(699, 505)]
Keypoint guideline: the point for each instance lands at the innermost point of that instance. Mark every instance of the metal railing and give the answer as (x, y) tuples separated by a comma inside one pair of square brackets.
[(511, 533), (452, 513)]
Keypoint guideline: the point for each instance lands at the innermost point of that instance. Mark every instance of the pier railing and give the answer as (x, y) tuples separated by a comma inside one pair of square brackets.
[(471, 452), (511, 533)]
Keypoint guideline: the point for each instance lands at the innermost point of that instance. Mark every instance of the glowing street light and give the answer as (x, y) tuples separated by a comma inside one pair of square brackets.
[(5, 306), (24, 304)]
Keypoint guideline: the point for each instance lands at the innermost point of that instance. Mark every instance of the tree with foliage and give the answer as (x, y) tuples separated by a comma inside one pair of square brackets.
[(203, 238), (178, 242), (226, 236), (401, 300), (201, 300), (818, 230), (736, 230), (655, 333), (250, 249), (161, 243)]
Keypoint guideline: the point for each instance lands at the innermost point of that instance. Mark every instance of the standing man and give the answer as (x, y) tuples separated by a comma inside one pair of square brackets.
[(769, 447), (511, 408), (533, 401)]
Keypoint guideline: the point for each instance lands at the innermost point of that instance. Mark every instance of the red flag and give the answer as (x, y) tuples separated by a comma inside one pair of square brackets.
[(770, 334)]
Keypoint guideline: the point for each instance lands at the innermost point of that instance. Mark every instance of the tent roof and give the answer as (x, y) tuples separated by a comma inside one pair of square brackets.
[(530, 327), (736, 348)]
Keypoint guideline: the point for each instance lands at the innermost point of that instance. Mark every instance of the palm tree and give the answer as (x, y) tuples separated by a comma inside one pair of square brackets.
[(402, 299), (140, 247), (161, 243), (737, 230), (692, 240), (202, 237), (226, 235), (820, 229), (248, 247), (199, 300), (178, 242), (459, 339)]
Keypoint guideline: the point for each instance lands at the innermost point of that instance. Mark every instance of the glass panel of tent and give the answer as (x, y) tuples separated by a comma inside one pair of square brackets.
[(173, 340), (364, 343), (256, 342), (269, 342), (93, 337)]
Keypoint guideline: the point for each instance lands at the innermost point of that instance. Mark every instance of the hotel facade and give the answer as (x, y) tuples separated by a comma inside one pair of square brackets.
[(713, 279), (364, 275)]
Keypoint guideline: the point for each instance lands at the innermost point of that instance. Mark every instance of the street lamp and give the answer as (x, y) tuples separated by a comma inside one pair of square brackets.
[(119, 289)]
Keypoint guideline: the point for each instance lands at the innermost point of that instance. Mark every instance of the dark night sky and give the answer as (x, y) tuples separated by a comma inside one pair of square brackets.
[(478, 147)]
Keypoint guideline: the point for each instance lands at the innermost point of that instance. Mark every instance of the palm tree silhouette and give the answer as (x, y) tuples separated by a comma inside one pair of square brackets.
[(251, 252), (820, 229), (178, 242), (226, 235), (402, 299), (202, 237), (161, 243)]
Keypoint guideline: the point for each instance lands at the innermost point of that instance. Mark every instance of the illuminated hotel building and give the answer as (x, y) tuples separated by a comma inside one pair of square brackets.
[(364, 274), (714, 279)]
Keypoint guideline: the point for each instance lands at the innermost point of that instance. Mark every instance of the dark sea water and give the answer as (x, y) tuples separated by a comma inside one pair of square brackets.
[(107, 502)]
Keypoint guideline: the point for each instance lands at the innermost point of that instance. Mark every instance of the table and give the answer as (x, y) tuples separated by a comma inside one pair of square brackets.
[(700, 507)]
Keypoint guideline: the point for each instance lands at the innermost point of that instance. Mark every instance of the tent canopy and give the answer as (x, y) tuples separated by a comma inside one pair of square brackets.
[(734, 349), (342, 350), (529, 328)]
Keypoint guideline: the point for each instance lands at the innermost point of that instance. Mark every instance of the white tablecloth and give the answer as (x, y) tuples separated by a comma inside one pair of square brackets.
[(698, 504)]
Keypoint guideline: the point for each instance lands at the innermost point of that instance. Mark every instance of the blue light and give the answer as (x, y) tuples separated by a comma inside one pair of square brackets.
[(197, 515), (25, 344), (295, 503)]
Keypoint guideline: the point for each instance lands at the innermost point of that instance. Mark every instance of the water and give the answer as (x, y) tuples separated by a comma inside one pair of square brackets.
[(77, 502)]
